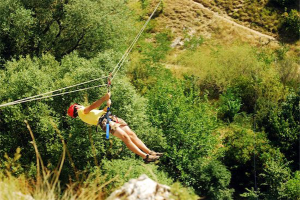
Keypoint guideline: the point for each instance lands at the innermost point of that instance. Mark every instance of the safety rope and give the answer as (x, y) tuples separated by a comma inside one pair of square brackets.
[(111, 76), (54, 95), (135, 40), (50, 92)]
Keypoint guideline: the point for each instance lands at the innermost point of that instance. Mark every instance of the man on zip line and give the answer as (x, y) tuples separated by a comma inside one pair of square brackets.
[(118, 127)]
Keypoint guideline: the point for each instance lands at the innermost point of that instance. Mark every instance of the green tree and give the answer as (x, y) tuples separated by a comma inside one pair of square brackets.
[(292, 189), (230, 105), (60, 27), (191, 149), (291, 26), (275, 176), (283, 126), (271, 167)]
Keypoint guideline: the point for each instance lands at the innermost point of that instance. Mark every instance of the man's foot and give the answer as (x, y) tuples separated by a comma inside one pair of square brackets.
[(150, 158), (153, 153)]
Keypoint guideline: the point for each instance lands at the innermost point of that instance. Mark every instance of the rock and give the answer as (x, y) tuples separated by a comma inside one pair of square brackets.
[(19, 195), (6, 193), (142, 188), (177, 42)]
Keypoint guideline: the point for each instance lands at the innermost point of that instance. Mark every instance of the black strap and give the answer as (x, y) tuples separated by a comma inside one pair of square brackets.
[(100, 120)]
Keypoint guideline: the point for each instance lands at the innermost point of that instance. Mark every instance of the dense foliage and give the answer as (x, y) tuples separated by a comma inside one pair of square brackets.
[(60, 27), (291, 25)]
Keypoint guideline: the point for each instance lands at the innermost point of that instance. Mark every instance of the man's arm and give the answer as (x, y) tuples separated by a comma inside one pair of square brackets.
[(97, 103), (108, 103)]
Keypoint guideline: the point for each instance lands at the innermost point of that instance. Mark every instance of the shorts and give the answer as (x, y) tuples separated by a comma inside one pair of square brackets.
[(114, 123)]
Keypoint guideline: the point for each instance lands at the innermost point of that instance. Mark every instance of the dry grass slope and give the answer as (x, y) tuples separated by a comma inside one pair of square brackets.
[(187, 16)]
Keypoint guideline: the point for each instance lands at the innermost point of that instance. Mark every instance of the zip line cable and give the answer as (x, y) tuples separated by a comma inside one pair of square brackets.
[(36, 96), (54, 95), (114, 72), (135, 40)]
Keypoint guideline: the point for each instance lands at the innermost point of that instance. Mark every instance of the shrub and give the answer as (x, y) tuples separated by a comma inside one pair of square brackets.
[(129, 169), (283, 127), (157, 51), (292, 189), (193, 42), (240, 67), (275, 176), (272, 169), (144, 69), (291, 26), (251, 194), (230, 104), (188, 127), (179, 192)]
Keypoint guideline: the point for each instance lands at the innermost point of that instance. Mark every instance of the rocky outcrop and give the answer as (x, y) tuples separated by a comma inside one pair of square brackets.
[(142, 188)]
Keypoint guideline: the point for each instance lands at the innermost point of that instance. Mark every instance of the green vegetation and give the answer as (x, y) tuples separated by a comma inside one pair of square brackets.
[(35, 28), (291, 25), (231, 105)]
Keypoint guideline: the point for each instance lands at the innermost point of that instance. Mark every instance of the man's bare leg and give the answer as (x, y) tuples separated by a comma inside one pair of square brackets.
[(127, 140), (135, 139)]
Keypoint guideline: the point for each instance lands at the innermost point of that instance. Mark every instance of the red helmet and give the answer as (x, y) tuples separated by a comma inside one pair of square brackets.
[(71, 110)]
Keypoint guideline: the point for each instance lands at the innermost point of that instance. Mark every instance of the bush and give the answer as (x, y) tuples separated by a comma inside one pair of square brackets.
[(179, 192), (154, 52), (129, 169), (275, 176), (230, 105), (188, 125), (288, 73), (251, 194), (291, 26), (240, 67), (193, 42), (272, 169), (292, 189), (145, 68), (283, 126)]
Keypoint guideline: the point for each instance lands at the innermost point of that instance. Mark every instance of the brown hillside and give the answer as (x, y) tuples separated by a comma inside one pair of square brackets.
[(190, 17)]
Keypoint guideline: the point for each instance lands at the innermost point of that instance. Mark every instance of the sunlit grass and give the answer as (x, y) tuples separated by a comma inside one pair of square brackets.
[(46, 184), (220, 65)]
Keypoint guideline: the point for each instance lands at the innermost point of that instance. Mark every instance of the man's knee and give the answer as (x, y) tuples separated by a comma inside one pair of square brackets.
[(132, 135), (125, 137)]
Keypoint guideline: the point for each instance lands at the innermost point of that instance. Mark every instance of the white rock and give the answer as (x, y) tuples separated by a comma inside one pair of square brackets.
[(177, 42), (19, 195), (142, 188)]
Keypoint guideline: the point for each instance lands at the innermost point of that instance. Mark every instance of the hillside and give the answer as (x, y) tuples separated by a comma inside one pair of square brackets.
[(264, 15), (244, 71), (191, 20), (191, 17)]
